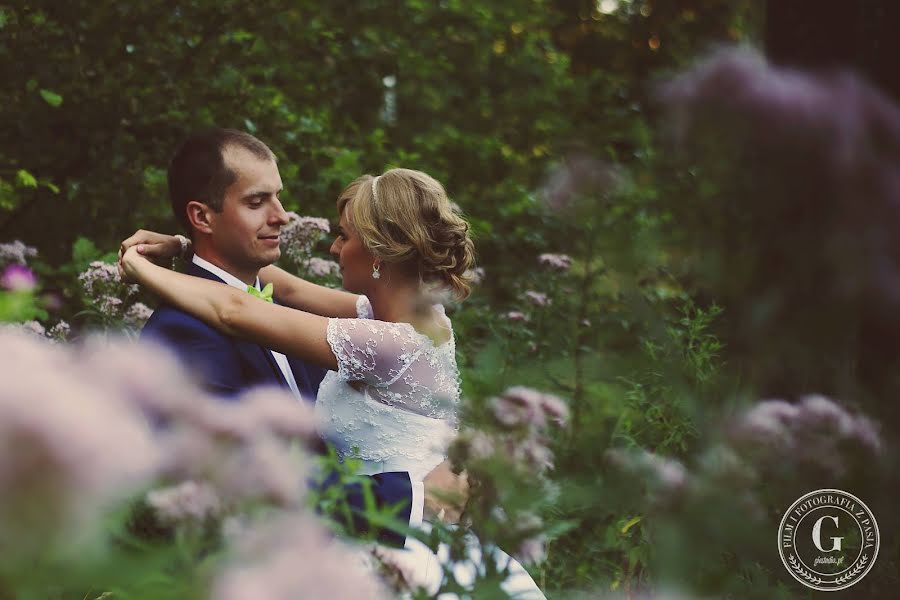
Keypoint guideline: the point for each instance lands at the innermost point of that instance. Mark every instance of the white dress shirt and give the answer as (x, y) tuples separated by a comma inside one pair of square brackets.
[(417, 511)]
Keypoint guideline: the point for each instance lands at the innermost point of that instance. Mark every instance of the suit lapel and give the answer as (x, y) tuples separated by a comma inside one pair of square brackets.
[(253, 353)]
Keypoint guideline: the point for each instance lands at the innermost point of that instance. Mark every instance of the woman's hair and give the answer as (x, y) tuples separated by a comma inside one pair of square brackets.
[(412, 222)]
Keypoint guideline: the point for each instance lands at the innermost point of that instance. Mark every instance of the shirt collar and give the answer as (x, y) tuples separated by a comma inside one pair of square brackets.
[(222, 274)]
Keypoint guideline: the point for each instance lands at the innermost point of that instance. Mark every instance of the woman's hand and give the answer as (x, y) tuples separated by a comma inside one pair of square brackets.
[(129, 264), (155, 246)]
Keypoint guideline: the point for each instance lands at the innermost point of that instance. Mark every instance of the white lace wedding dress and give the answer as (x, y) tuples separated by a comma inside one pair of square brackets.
[(393, 404)]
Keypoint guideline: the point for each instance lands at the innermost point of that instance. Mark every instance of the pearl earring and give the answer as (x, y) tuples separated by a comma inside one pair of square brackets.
[(375, 270)]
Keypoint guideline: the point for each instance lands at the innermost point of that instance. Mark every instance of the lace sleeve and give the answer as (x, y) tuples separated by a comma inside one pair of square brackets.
[(402, 367), (372, 351)]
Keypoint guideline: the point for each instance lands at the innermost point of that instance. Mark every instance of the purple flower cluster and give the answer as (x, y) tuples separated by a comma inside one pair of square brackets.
[(75, 442), (69, 445), (187, 502), (137, 314), (559, 262), (105, 290), (816, 431), (517, 316), (264, 564), (521, 406), (15, 253), (523, 416), (18, 277), (665, 476), (300, 235), (321, 267), (578, 176), (538, 299)]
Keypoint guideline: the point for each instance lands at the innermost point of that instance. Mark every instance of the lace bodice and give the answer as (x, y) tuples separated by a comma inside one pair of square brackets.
[(393, 400)]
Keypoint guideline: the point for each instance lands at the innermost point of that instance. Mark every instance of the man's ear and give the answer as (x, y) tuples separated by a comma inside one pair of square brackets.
[(199, 216)]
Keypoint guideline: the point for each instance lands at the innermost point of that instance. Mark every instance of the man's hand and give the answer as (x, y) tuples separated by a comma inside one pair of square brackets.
[(446, 494)]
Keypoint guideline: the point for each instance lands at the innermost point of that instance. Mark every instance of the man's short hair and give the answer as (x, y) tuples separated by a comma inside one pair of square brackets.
[(198, 170)]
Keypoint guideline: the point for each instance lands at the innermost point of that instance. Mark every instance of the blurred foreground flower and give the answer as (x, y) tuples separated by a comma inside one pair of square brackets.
[(294, 557), (187, 502), (68, 446), (18, 277)]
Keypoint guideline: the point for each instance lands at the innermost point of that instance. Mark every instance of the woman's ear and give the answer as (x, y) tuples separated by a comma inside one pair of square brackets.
[(199, 216)]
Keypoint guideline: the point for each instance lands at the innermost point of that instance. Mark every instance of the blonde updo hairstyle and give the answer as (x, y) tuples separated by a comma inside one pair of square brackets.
[(412, 223)]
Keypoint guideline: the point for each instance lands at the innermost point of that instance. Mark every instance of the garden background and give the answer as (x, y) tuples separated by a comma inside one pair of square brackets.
[(698, 260)]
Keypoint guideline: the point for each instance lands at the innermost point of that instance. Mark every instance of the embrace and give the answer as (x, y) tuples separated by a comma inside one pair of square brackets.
[(377, 358)]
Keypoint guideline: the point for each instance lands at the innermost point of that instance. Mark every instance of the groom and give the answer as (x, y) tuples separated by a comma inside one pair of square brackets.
[(224, 186)]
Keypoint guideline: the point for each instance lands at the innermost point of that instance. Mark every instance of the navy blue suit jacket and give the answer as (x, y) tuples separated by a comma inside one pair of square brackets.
[(228, 366)]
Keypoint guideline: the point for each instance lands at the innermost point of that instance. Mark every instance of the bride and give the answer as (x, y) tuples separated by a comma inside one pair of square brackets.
[(391, 396)]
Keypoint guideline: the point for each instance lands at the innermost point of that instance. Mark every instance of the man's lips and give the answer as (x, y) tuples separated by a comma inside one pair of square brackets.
[(270, 239)]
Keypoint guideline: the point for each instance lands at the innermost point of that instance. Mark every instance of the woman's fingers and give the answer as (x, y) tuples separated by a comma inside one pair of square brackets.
[(156, 246)]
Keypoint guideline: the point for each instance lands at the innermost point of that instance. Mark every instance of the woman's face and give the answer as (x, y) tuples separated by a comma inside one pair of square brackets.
[(353, 257)]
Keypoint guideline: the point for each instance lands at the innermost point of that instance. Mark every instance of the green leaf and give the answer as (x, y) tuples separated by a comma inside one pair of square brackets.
[(25, 179), (52, 98), (630, 523)]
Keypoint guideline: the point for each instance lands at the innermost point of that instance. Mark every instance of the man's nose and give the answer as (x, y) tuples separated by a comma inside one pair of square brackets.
[(278, 216)]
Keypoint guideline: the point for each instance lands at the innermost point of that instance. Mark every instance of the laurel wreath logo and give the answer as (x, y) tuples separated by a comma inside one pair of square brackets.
[(860, 566), (854, 571), (795, 565)]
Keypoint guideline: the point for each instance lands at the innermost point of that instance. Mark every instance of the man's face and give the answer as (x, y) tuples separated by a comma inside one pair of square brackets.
[(245, 234)]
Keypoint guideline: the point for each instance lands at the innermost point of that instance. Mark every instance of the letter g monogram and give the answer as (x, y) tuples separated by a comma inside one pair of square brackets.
[(817, 535)]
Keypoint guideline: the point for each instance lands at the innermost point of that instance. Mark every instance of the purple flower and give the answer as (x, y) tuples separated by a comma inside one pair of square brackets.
[(185, 503), (532, 550), (264, 565), (320, 267), (18, 277), (560, 262), (60, 332), (517, 316), (15, 253), (71, 445), (300, 235), (520, 405), (817, 431), (537, 298), (137, 314), (103, 287), (34, 328)]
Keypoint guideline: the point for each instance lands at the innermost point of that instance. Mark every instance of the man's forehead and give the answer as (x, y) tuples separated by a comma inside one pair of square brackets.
[(247, 164), (234, 155)]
